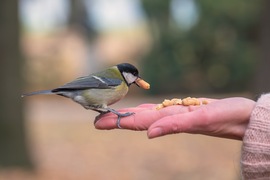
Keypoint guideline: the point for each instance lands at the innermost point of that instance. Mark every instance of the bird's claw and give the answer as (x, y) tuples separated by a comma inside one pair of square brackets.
[(119, 115)]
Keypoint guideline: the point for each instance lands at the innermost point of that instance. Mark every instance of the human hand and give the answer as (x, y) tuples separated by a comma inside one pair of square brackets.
[(227, 118)]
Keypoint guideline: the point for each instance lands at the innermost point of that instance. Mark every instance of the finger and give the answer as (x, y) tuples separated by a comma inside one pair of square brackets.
[(134, 109), (208, 100), (153, 106), (122, 111), (142, 118), (147, 105)]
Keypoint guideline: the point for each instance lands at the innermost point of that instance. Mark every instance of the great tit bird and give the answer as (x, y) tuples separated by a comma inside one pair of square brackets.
[(99, 90)]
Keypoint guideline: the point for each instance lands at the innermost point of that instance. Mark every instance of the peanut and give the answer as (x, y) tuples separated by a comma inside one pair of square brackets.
[(204, 101), (159, 106), (167, 102), (176, 101), (143, 84)]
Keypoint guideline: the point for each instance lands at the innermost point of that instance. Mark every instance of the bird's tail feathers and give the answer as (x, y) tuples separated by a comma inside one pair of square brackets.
[(38, 92)]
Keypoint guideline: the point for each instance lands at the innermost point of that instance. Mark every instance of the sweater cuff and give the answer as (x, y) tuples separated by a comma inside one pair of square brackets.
[(255, 159)]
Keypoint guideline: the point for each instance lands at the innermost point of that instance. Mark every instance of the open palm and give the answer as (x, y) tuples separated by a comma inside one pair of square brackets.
[(227, 118)]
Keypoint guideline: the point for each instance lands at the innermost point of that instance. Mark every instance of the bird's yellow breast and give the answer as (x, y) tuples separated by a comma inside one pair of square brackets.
[(105, 97)]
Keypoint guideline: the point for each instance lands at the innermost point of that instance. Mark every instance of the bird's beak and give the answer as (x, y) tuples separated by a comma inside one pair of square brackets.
[(141, 83), (136, 84)]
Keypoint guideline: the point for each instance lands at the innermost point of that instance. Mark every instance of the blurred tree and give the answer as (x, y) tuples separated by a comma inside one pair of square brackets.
[(263, 73), (79, 20), (13, 151), (217, 54), (77, 12)]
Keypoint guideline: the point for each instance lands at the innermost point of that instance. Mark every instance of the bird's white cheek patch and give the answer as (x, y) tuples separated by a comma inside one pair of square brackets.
[(130, 78)]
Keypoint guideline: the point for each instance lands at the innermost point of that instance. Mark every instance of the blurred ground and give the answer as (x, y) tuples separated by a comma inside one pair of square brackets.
[(66, 146)]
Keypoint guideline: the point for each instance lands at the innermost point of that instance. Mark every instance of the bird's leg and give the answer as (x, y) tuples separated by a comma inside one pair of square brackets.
[(98, 109), (98, 116), (119, 115)]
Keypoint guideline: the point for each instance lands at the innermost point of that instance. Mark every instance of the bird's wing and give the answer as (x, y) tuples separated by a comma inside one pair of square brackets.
[(89, 82)]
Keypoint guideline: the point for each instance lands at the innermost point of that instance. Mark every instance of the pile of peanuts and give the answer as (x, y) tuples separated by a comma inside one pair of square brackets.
[(189, 101)]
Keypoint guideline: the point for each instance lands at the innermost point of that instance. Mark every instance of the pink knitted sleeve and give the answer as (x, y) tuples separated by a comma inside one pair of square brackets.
[(255, 160)]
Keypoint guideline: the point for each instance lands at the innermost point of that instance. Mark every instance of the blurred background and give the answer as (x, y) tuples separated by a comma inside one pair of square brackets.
[(182, 48)]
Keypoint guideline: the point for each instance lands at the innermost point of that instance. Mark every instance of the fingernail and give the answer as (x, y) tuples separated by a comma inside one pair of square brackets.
[(156, 132)]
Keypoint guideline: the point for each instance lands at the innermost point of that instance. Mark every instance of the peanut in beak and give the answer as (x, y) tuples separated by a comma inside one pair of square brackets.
[(143, 84)]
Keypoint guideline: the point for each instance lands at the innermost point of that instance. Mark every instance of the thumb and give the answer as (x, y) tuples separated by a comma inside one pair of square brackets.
[(178, 123)]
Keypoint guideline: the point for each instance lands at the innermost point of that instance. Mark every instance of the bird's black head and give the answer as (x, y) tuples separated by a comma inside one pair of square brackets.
[(129, 72)]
